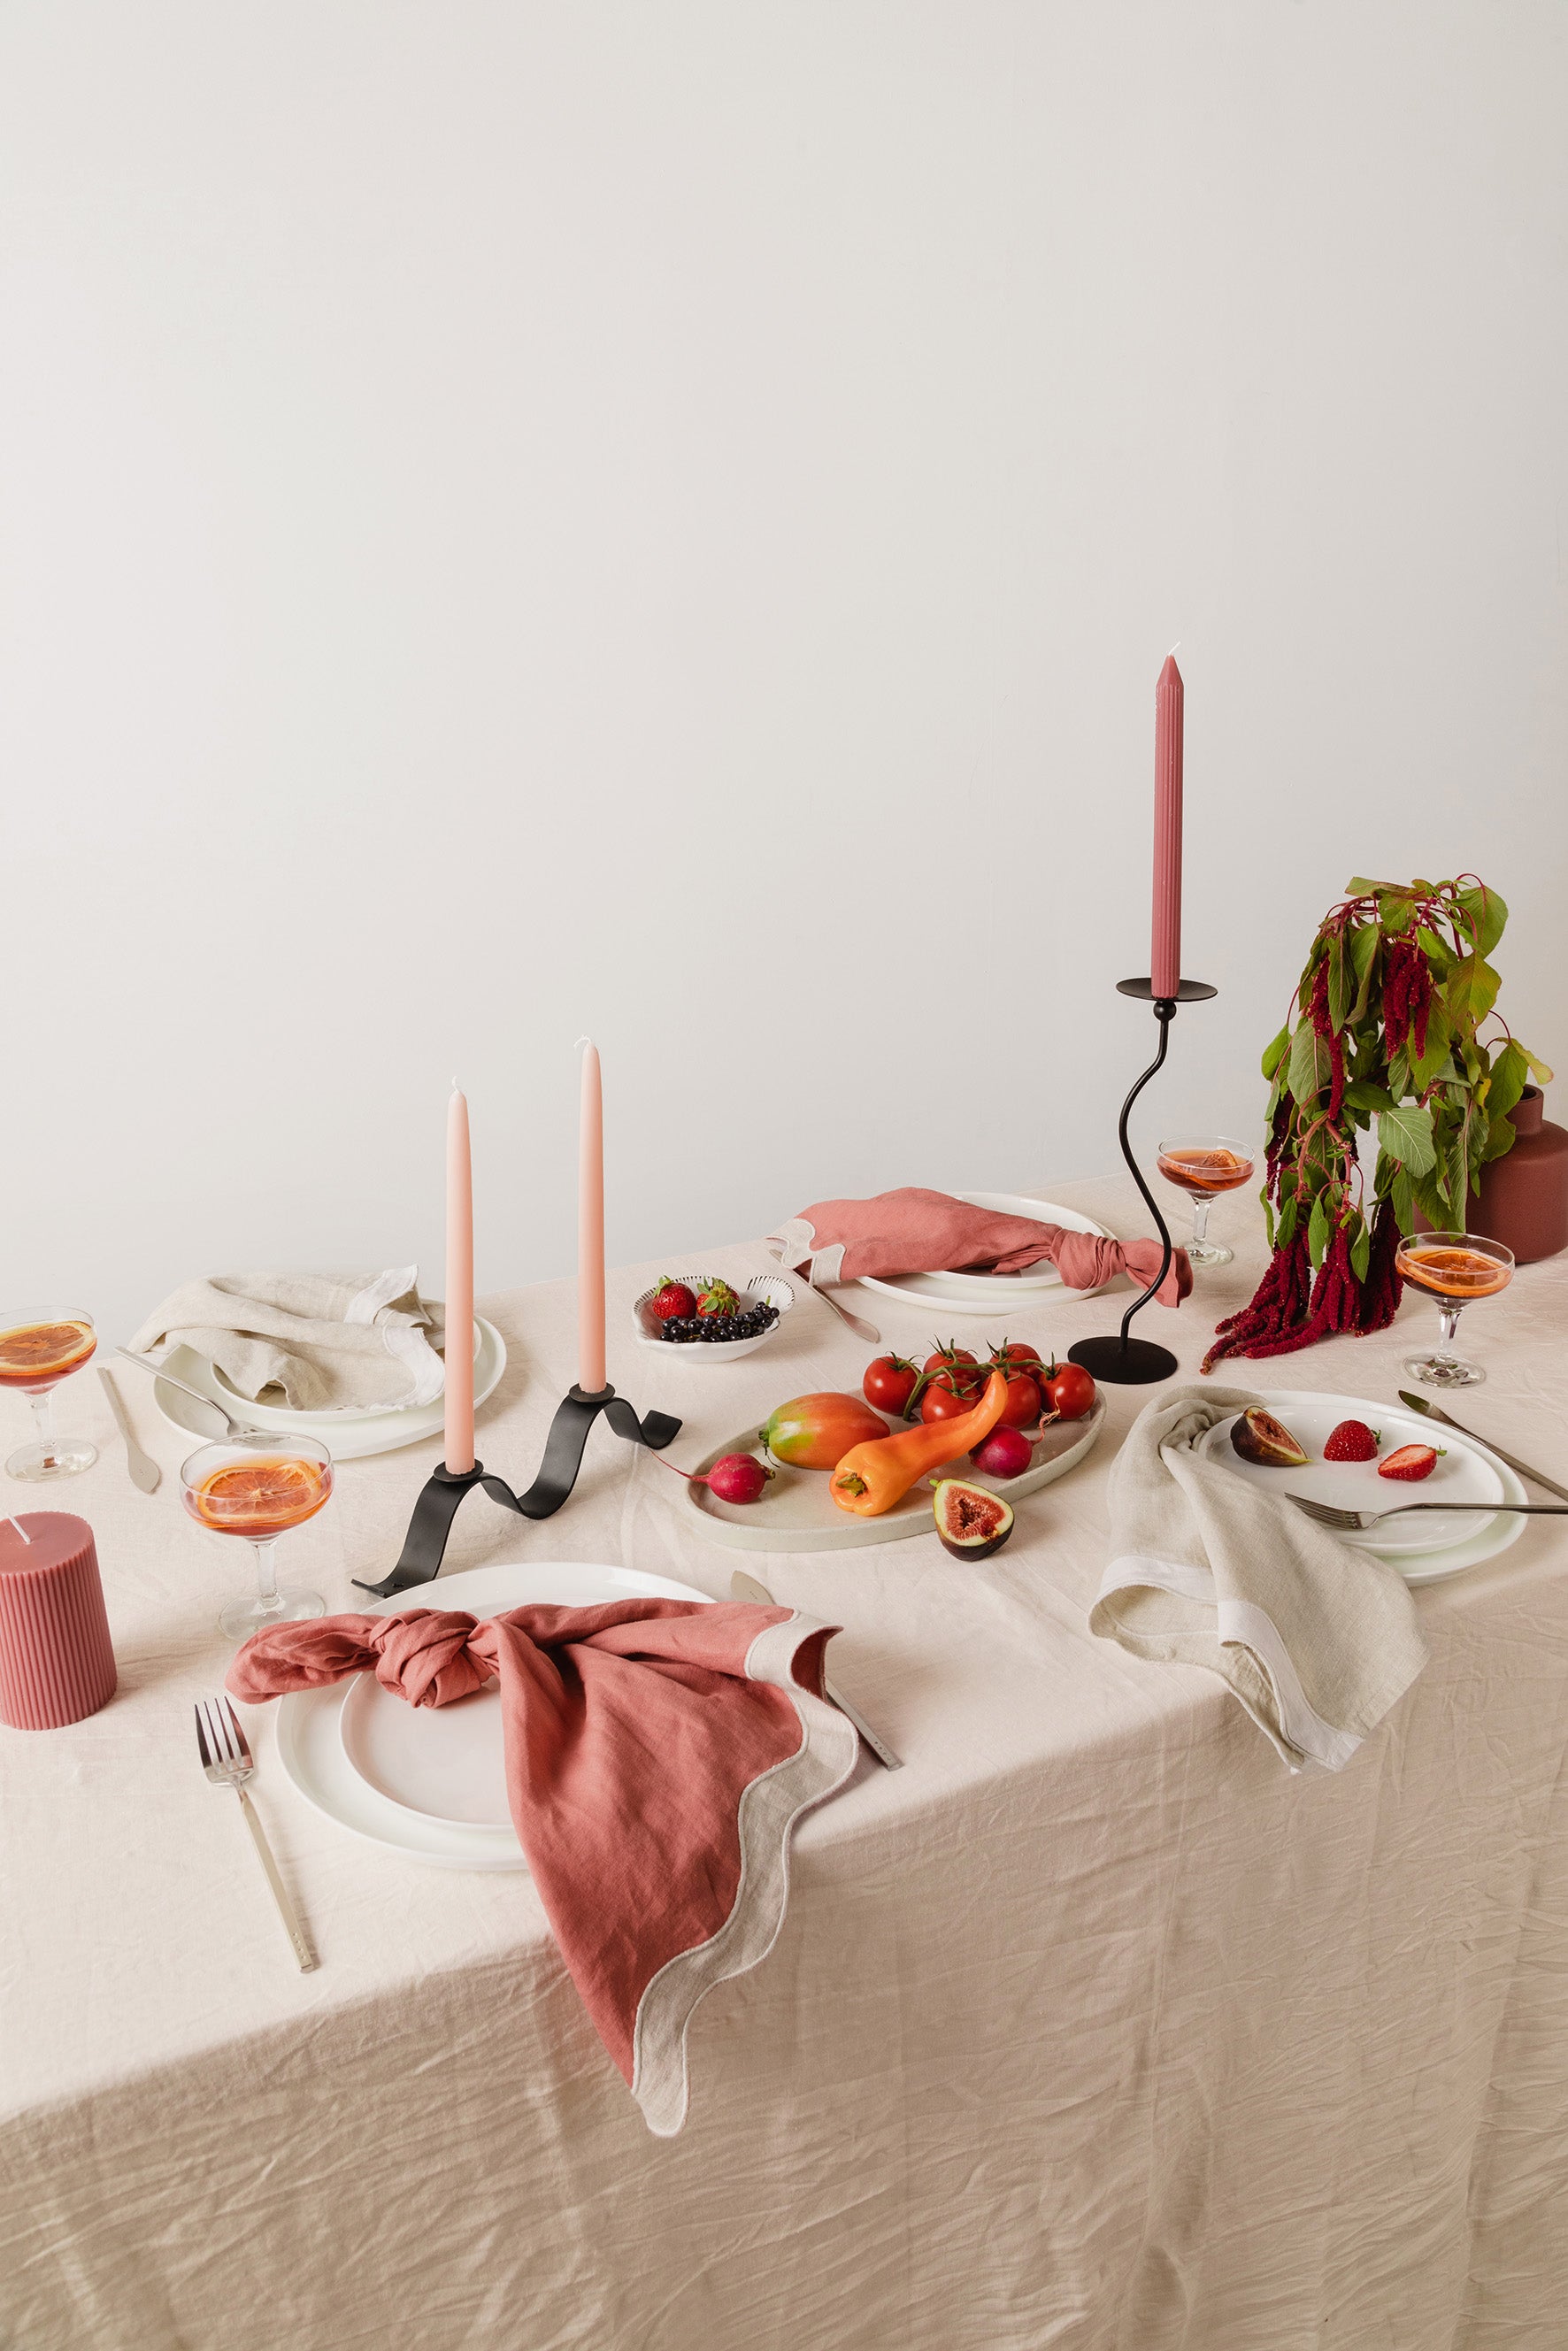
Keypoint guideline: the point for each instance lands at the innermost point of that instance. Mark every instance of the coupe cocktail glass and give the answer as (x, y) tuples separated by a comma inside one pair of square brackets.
[(1203, 1166), (37, 1351), (1453, 1269), (258, 1486)]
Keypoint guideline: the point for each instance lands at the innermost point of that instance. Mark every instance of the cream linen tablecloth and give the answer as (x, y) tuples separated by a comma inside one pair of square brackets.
[(1090, 2028)]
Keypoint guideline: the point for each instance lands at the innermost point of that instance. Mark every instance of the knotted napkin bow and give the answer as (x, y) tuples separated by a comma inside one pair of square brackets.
[(658, 1755)]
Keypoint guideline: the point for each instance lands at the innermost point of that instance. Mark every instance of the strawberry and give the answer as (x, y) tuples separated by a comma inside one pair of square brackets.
[(1410, 1462), (1351, 1441), (672, 1299), (719, 1298)]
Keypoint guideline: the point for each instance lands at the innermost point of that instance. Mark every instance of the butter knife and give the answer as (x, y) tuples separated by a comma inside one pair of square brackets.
[(746, 1587), (1435, 1412), (144, 1470)]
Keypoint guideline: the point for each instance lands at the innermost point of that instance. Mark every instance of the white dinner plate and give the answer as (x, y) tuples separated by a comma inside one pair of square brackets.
[(1424, 1546), (281, 1415), (345, 1439), (992, 1293), (427, 1782)]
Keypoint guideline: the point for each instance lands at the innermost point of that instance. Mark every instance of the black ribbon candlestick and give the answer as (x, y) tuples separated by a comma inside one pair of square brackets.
[(1126, 1362)]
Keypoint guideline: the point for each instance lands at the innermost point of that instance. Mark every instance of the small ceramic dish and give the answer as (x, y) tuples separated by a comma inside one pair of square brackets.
[(764, 1289)]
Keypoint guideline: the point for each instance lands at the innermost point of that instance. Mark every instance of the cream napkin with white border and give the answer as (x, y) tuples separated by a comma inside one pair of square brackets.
[(320, 1342), (1317, 1640)]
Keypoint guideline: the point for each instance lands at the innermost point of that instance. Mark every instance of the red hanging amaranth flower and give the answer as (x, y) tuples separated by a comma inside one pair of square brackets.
[(1277, 1306), (1406, 997)]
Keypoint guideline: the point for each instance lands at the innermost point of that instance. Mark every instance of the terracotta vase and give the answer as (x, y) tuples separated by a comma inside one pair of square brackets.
[(1523, 1198)]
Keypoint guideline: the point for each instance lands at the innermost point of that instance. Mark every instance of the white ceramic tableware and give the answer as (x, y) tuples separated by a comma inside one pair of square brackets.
[(426, 1781), (797, 1512), (768, 1288), (350, 1440), (992, 1293), (1425, 1548)]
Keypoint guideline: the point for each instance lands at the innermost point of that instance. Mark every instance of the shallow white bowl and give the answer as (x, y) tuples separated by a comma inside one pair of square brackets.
[(772, 1288)]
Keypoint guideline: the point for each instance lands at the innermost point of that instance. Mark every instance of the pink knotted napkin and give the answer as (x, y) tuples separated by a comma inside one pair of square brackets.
[(659, 1753), (914, 1231)]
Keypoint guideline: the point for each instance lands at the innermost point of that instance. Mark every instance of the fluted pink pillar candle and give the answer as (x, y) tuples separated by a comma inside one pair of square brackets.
[(1165, 953), (55, 1661), (459, 1286), (590, 1227)]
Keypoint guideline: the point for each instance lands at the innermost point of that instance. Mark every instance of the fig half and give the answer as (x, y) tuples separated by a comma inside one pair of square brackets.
[(1259, 1437), (972, 1521)]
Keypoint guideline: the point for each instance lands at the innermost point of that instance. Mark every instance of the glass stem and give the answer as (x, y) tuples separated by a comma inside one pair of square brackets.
[(1200, 1209), (266, 1577), (44, 1422), (1448, 1323)]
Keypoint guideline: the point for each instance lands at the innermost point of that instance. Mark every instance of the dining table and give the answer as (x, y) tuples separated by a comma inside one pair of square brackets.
[(1092, 2027)]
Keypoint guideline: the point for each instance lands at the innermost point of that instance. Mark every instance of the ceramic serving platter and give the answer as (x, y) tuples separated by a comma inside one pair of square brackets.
[(346, 1439), (428, 1782), (798, 1513), (1424, 1547), (991, 1293)]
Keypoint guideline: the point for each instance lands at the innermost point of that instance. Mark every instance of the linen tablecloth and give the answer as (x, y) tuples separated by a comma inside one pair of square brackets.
[(1090, 2028)]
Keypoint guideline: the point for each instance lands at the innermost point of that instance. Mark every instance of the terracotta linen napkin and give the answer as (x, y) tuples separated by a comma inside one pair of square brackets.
[(1317, 1640), (915, 1231), (658, 1754), (318, 1341)]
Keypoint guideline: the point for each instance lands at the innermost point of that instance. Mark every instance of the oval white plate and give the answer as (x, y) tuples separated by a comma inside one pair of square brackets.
[(1423, 1547), (413, 1750), (990, 1293), (346, 1439)]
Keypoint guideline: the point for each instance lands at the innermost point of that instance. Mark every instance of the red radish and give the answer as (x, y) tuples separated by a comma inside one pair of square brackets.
[(1410, 1462), (1006, 1453), (672, 1299), (734, 1476)]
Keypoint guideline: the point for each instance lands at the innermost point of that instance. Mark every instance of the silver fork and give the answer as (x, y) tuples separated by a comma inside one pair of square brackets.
[(1358, 1521), (227, 1760)]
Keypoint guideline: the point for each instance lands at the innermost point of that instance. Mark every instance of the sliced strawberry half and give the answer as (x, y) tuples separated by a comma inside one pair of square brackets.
[(1410, 1462)]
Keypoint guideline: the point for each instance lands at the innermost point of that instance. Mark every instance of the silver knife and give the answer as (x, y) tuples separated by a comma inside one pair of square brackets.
[(144, 1470), (1435, 1412), (746, 1587)]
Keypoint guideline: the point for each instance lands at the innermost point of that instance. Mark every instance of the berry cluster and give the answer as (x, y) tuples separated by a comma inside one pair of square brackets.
[(717, 1327)]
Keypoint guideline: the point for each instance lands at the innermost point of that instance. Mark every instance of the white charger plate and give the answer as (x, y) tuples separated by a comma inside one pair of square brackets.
[(991, 1293), (345, 1439), (385, 1769), (1425, 1548)]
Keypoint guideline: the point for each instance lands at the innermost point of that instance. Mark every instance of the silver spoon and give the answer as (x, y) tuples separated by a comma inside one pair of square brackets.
[(857, 1322), (746, 1587), (231, 1427)]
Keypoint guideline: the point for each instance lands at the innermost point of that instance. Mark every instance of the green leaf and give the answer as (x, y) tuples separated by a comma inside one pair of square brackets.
[(1402, 1192), (1396, 913), (1537, 1069), (1361, 1249), (1487, 913), (1501, 1137), (1470, 989), (1288, 1215), (1439, 1035), (1399, 1075), (1310, 1067), (1274, 1054), (1339, 984), (1367, 1094), (1320, 1230), (1509, 1074), (1406, 1133), (1358, 887)]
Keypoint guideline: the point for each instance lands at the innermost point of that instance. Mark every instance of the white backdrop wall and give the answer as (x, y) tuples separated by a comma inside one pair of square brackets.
[(664, 520)]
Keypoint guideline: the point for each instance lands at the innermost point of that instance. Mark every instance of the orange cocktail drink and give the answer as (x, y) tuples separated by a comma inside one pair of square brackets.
[(1203, 1166), (37, 1351), (1453, 1269), (258, 1487)]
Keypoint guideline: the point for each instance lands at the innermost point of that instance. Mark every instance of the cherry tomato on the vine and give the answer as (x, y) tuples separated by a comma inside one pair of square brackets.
[(941, 1403), (889, 1383), (1068, 1391), (1023, 1408)]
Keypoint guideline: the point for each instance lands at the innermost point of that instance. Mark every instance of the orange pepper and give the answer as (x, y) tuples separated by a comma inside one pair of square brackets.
[(874, 1475)]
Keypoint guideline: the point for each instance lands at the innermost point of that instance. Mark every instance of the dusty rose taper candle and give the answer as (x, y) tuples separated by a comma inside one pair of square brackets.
[(56, 1664), (1165, 951), (459, 1316), (590, 1227)]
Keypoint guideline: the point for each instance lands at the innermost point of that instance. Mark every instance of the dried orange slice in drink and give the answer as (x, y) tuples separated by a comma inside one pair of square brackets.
[(35, 1351), (261, 1498)]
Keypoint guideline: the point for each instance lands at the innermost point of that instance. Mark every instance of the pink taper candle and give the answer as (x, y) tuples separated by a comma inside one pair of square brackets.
[(459, 1286), (591, 1227), (1165, 953)]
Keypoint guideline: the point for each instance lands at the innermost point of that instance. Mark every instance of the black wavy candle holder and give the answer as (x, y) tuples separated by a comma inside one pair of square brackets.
[(424, 1545), (1126, 1362)]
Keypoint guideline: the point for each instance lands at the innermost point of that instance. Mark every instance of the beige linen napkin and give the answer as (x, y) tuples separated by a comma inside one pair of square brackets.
[(319, 1342), (1209, 1568)]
